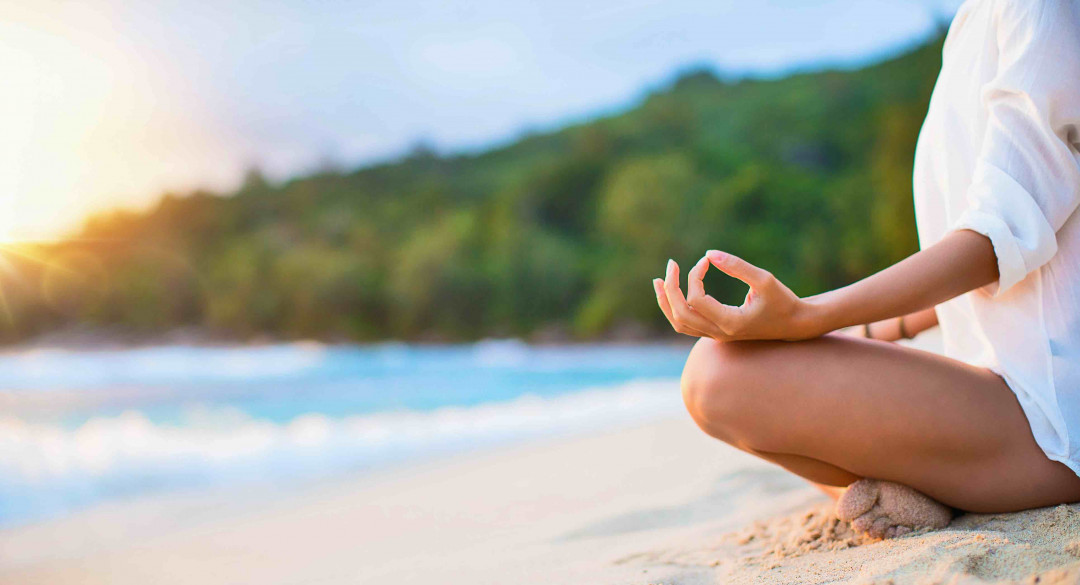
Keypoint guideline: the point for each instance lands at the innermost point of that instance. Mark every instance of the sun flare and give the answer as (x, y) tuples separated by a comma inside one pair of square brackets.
[(87, 122)]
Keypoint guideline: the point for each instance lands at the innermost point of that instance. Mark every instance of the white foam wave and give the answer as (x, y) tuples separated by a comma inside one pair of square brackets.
[(60, 368), (218, 443)]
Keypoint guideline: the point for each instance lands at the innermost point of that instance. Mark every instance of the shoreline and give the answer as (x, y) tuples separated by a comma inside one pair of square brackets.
[(549, 497), (111, 458), (641, 503), (648, 504), (109, 339)]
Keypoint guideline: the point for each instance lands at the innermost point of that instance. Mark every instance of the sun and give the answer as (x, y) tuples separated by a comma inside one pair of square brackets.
[(9, 233), (14, 233), (71, 120)]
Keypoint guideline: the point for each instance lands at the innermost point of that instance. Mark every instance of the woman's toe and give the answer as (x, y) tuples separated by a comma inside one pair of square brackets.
[(863, 523), (881, 526), (857, 500)]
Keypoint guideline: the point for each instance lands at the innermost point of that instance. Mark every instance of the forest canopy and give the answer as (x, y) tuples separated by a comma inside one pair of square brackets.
[(554, 236)]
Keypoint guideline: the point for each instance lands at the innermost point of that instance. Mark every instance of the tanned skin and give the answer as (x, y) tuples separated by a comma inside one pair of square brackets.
[(769, 378)]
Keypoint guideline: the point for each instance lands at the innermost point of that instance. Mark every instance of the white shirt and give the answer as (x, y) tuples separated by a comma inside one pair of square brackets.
[(998, 154)]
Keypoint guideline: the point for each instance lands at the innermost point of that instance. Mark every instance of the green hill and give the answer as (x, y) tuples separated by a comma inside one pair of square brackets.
[(808, 176)]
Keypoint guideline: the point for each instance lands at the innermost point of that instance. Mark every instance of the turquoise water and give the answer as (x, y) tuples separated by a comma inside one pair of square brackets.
[(81, 427)]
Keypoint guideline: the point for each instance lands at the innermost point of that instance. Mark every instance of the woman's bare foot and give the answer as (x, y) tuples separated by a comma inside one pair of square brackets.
[(883, 509)]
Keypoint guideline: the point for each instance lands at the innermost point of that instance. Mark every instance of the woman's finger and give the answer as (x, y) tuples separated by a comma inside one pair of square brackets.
[(681, 312), (736, 267), (695, 281), (665, 307), (661, 299), (723, 316)]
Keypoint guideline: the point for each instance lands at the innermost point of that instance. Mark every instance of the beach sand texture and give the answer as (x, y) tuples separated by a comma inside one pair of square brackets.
[(656, 503)]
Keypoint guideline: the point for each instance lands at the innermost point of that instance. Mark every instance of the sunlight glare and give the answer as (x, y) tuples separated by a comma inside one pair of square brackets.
[(89, 123)]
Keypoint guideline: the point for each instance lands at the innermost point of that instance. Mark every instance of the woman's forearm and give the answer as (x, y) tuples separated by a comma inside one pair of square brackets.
[(916, 323), (962, 261), (908, 326)]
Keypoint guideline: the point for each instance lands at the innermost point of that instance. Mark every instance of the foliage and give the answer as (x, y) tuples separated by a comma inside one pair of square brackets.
[(808, 176)]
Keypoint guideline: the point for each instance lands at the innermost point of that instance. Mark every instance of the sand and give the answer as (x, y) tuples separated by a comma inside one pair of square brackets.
[(658, 503), (1037, 546)]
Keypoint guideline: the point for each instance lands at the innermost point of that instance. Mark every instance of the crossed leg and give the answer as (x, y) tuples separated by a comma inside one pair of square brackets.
[(837, 409)]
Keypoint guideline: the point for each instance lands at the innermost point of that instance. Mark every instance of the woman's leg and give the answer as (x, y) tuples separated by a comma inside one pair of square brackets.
[(835, 409)]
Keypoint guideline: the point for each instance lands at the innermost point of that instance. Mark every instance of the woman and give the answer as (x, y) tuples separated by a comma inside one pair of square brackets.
[(992, 426)]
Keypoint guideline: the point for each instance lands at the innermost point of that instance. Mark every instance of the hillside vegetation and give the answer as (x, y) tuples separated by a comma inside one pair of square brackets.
[(557, 234)]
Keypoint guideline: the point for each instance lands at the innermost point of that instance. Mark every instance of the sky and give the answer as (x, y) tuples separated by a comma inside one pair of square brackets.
[(110, 103)]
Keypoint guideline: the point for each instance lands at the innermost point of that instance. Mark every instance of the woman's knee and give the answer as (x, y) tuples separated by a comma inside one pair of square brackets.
[(715, 389)]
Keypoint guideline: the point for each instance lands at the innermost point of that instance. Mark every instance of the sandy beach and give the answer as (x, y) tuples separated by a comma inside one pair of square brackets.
[(337, 293), (654, 503)]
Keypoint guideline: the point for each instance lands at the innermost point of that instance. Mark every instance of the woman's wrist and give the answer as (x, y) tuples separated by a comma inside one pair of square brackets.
[(816, 317), (889, 329), (902, 330)]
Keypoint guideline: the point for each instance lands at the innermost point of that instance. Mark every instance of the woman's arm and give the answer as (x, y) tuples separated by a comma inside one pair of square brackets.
[(907, 326), (962, 261)]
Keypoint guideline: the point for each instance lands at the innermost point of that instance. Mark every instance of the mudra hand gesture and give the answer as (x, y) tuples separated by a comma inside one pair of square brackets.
[(770, 311)]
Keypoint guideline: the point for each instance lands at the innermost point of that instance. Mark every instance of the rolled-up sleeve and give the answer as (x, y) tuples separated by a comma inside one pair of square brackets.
[(1026, 181)]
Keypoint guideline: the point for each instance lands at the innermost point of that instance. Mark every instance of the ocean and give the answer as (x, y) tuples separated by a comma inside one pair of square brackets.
[(78, 428)]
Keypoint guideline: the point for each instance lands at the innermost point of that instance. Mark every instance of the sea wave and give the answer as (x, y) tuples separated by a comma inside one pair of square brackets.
[(49, 368), (46, 468), (40, 371)]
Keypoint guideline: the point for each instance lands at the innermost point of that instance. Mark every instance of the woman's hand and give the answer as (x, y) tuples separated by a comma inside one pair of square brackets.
[(962, 261), (770, 311)]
